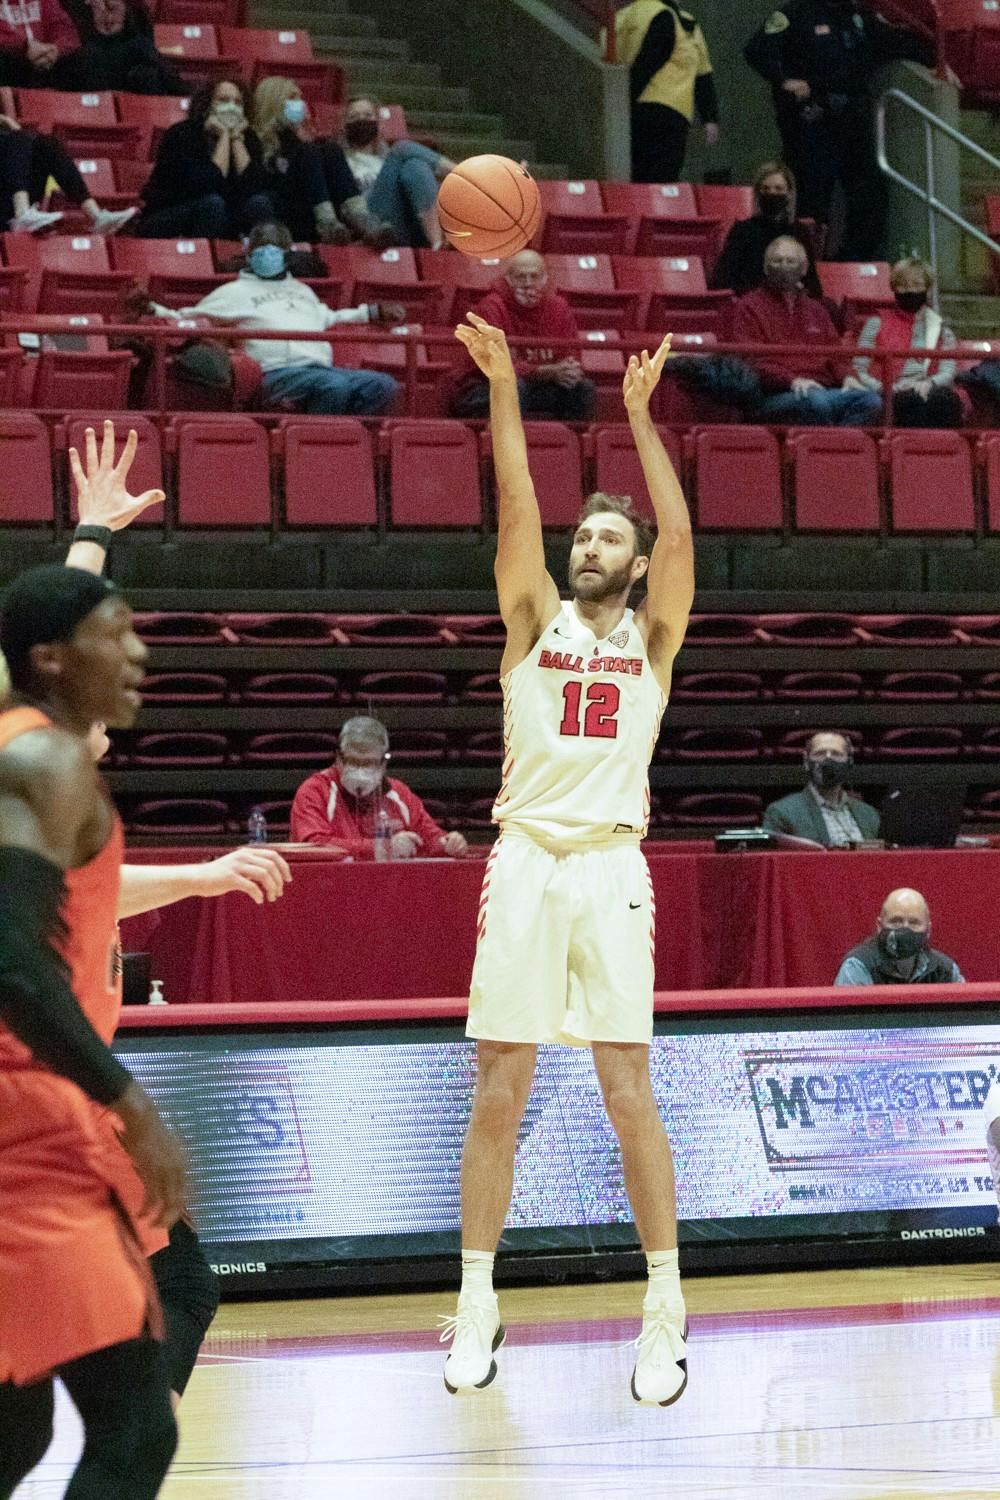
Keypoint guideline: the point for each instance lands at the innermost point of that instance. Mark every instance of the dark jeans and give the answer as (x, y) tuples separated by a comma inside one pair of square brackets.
[(941, 408), (16, 72), (539, 399), (27, 161), (210, 217), (659, 141)]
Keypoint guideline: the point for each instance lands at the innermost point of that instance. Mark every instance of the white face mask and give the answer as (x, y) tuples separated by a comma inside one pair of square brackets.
[(360, 781), (228, 112)]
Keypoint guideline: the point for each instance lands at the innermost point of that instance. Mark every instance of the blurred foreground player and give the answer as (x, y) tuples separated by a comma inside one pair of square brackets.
[(186, 1284), (76, 1297), (566, 919)]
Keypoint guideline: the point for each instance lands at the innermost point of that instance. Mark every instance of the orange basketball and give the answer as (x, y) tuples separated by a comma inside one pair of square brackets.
[(489, 206)]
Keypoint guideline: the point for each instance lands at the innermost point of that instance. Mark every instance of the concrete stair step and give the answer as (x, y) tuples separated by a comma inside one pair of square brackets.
[(306, 13), (417, 96), (345, 48), (382, 76), (971, 315), (982, 127), (345, 25), (457, 121), (548, 171), (458, 145)]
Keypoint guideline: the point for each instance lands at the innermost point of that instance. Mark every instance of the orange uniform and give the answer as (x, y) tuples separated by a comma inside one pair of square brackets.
[(73, 1248)]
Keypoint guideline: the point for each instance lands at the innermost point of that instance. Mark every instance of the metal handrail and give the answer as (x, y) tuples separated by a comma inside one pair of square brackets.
[(928, 195)]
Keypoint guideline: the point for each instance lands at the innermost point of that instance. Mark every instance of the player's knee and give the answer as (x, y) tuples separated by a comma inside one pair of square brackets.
[(628, 1106), (146, 1444), (499, 1107)]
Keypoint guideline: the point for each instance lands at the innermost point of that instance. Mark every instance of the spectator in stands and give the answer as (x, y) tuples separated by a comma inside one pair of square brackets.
[(28, 160), (208, 180), (798, 388), (344, 804), (119, 52), (820, 58), (900, 951), (399, 183), (923, 388), (670, 79), (824, 812), (265, 296), (37, 42), (310, 182), (740, 266), (550, 382)]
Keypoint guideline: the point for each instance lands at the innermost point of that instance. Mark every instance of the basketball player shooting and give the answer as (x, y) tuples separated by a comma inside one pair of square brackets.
[(566, 918)]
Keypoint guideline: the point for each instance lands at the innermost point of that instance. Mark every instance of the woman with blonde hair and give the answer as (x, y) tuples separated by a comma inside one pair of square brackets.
[(740, 266), (317, 198), (923, 387)]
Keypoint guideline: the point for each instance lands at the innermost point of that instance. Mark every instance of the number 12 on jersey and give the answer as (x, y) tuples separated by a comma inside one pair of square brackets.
[(599, 721)]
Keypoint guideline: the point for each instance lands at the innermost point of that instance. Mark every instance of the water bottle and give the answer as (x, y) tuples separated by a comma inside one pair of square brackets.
[(383, 835), (156, 995), (256, 826)]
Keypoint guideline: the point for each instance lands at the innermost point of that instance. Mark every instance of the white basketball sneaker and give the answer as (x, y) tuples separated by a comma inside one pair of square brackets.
[(477, 1333), (660, 1373)]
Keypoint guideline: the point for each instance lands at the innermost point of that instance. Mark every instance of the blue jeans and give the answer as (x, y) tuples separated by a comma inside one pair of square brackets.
[(209, 217), (329, 392), (823, 408), (539, 399), (405, 188)]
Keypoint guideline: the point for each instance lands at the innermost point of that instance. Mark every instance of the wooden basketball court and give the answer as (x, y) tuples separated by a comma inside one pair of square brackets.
[(846, 1384)]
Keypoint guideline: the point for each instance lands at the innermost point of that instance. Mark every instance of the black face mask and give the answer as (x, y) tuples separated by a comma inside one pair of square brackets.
[(901, 943), (827, 773), (361, 132), (911, 302), (773, 205)]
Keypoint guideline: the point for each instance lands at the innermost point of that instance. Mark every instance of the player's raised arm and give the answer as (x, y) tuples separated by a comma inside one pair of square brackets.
[(663, 615), (529, 598), (104, 505)]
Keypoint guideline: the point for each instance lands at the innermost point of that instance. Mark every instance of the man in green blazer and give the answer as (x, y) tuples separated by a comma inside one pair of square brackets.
[(824, 812)]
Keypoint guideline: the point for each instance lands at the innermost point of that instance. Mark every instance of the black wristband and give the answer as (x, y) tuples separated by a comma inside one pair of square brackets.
[(102, 535)]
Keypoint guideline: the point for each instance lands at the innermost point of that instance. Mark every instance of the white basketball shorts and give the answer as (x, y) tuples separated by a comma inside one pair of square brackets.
[(565, 946)]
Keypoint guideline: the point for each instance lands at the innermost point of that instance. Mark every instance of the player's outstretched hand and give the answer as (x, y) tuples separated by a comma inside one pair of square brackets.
[(157, 1155), (642, 376), (487, 346), (101, 496), (258, 871)]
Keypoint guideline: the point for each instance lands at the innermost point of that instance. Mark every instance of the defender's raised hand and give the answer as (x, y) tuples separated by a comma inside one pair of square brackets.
[(101, 496), (642, 376), (487, 346)]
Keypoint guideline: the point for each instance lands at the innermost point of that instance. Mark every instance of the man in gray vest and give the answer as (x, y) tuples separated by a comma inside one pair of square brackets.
[(900, 951)]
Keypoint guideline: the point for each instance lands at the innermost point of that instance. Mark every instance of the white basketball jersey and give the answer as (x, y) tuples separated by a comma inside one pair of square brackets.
[(581, 716)]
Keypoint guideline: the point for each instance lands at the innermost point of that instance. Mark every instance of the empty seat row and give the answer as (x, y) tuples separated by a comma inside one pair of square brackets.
[(437, 473)]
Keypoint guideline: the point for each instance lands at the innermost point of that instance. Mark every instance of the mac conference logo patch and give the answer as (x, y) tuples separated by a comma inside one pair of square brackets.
[(619, 639)]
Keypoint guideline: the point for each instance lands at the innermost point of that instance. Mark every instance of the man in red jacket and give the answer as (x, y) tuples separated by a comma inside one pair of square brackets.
[(798, 388), (342, 804), (549, 381), (36, 37)]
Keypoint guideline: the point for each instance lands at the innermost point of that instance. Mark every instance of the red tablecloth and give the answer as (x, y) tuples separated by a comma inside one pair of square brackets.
[(367, 931)]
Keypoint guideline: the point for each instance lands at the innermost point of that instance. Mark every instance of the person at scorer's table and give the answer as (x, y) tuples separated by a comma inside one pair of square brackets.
[(900, 951), (824, 812), (343, 804)]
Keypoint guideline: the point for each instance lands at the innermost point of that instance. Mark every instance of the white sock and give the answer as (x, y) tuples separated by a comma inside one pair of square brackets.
[(664, 1279), (477, 1275)]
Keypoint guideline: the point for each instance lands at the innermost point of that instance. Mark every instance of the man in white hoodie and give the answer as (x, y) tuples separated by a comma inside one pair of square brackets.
[(265, 295)]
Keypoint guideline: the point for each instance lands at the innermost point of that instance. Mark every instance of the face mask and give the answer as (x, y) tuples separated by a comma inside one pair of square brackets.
[(361, 132), (783, 278), (360, 781), (827, 773), (294, 111), (901, 942), (773, 205), (229, 113), (910, 302), (267, 261)]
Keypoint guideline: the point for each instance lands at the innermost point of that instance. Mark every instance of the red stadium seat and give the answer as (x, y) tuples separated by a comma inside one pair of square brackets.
[(921, 687), (98, 174), (329, 473), (821, 630), (184, 687), (433, 475), (48, 106), (281, 629), (14, 290), (419, 747), (291, 687), (588, 284), (293, 747), (180, 815), (820, 687), (484, 748), (716, 687), (391, 630), (791, 747), (484, 687), (989, 458), (186, 40), (180, 749), (737, 479), (724, 630), (213, 12), (151, 111), (26, 471), (727, 204), (92, 292), (475, 630), (678, 299), (920, 743), (718, 744), (68, 380), (979, 630), (986, 746), (718, 810), (909, 630), (603, 362), (146, 472), (183, 291), (858, 286), (223, 473), (575, 221), (617, 470), (11, 371), (276, 48), (401, 687), (556, 465), (930, 481), (174, 257), (464, 281), (836, 480), (177, 628), (392, 124), (664, 219)]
